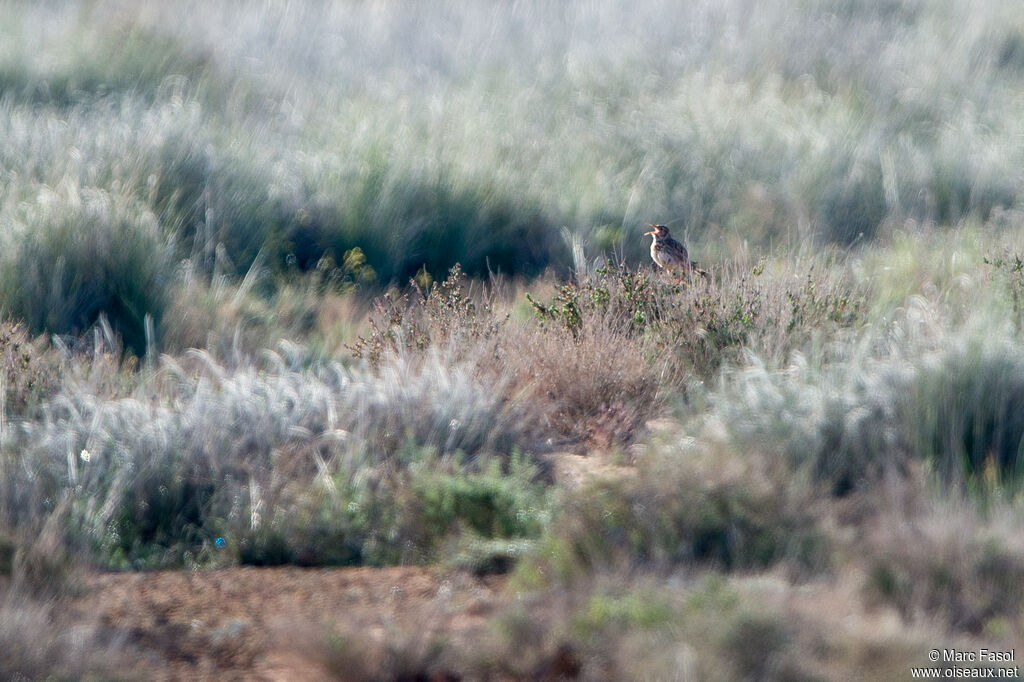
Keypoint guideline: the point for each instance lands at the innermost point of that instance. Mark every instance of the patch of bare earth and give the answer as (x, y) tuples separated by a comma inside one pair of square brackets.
[(271, 623), (573, 471)]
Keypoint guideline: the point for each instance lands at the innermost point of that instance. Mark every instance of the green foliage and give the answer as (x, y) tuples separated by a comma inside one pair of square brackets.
[(341, 525), (343, 277), (7, 550), (965, 414), (627, 611), (267, 548), (812, 141), (489, 503), (310, 465), (1009, 270), (83, 257), (813, 309), (631, 296), (382, 225), (405, 219), (255, 182), (413, 515), (163, 515)]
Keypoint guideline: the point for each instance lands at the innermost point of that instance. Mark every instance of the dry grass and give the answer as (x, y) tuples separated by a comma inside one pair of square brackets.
[(40, 640), (596, 388), (950, 563), (30, 370)]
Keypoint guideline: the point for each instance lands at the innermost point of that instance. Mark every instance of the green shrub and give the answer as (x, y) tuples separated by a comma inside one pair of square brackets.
[(639, 609), (406, 219), (1008, 270), (414, 515), (775, 136), (489, 503), (250, 200), (7, 550), (965, 414), (162, 514), (80, 258)]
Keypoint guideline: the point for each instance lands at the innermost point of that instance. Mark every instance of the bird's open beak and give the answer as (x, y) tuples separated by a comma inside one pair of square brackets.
[(647, 233)]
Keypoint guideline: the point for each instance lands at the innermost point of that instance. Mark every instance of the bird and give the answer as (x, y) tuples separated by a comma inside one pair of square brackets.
[(669, 254)]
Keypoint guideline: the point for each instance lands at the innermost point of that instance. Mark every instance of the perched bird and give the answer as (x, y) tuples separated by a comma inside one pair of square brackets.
[(670, 254)]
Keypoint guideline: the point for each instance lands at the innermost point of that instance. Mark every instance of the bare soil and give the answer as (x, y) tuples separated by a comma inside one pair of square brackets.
[(273, 623)]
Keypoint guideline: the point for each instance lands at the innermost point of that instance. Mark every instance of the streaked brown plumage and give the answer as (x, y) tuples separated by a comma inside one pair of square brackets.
[(670, 254)]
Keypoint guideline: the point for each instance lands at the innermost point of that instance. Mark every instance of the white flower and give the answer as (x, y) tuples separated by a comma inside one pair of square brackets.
[(85, 455)]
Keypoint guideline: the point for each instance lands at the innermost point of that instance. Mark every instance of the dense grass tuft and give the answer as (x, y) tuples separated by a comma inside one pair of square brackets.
[(965, 410), (83, 256)]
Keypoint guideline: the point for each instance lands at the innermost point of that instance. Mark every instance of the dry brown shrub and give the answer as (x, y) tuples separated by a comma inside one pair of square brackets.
[(596, 387), (30, 369)]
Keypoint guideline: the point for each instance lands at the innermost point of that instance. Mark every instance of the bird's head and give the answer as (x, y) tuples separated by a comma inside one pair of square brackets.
[(659, 231)]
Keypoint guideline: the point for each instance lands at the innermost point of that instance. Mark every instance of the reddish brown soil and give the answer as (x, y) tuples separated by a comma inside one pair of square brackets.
[(275, 623)]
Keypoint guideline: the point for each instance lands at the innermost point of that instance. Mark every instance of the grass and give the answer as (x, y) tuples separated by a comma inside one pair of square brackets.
[(150, 478), (835, 144), (39, 643), (83, 257), (793, 440), (686, 508), (330, 285), (959, 569)]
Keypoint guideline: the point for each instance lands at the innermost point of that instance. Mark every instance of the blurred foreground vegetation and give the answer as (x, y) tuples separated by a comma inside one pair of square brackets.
[(213, 354)]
